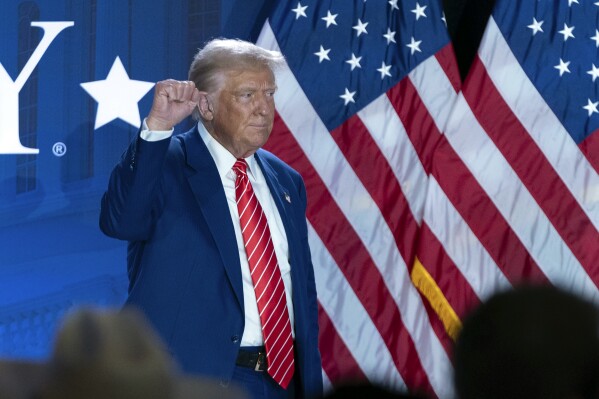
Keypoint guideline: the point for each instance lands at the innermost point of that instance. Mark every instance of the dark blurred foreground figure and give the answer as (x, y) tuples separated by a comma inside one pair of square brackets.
[(108, 355), (529, 343), (365, 390)]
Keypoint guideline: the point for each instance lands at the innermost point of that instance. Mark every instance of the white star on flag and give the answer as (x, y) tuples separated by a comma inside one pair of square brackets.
[(300, 11), (596, 38), (414, 45), (384, 70), (594, 72), (360, 27), (567, 32), (592, 107), (536, 26), (419, 11), (354, 61), (330, 18), (573, 1), (117, 96), (562, 67), (348, 96), (393, 4), (390, 36), (322, 54)]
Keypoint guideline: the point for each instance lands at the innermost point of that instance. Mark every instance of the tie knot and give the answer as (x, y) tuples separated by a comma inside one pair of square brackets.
[(240, 167)]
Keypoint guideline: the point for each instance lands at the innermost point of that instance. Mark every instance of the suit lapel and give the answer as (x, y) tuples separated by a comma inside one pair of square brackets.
[(207, 188), (281, 195)]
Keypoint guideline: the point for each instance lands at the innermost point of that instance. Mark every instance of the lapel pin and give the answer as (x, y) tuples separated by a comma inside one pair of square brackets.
[(288, 198)]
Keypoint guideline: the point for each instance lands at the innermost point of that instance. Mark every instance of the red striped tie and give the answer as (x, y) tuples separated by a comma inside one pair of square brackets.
[(266, 276)]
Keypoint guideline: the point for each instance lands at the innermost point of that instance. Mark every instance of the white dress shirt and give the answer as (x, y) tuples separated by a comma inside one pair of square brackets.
[(252, 334)]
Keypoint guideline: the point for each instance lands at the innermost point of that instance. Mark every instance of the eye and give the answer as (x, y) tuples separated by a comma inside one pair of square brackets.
[(270, 93)]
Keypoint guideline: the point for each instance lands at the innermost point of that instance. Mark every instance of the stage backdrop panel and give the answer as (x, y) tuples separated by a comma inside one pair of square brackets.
[(76, 76)]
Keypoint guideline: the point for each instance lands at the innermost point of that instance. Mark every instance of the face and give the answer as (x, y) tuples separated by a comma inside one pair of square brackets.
[(243, 110)]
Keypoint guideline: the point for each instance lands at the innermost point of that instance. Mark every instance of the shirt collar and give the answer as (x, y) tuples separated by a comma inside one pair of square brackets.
[(222, 157)]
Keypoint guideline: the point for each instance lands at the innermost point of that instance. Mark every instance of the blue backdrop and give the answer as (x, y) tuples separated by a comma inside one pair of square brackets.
[(59, 140)]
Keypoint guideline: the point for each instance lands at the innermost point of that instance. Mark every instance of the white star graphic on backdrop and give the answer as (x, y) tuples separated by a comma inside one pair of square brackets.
[(536, 26), (592, 107), (384, 70), (444, 19), (419, 11), (390, 36), (414, 45), (348, 96), (567, 32), (360, 27), (393, 4), (322, 54), (354, 61), (300, 11), (572, 1), (117, 96), (562, 67), (594, 72), (330, 19), (596, 38)]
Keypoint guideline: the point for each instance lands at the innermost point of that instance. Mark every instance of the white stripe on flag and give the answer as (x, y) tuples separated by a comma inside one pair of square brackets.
[(435, 90), (388, 132), (460, 243)]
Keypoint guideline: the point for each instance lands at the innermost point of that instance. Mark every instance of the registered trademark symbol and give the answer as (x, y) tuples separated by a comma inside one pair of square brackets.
[(59, 149)]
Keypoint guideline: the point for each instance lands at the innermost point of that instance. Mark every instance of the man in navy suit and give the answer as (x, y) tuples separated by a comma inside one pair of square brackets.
[(173, 199)]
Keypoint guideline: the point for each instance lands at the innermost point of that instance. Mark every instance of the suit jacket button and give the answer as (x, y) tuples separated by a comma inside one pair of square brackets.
[(235, 338)]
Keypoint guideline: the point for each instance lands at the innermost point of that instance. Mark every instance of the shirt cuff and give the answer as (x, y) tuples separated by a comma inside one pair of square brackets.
[(154, 135)]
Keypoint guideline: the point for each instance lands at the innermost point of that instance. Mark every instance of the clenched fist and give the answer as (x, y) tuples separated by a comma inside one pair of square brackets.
[(173, 101)]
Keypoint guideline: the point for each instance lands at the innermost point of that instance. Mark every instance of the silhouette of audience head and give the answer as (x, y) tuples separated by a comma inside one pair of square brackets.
[(530, 342), (106, 354)]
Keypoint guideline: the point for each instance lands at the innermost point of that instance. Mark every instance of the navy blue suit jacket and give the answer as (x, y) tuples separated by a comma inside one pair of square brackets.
[(166, 198)]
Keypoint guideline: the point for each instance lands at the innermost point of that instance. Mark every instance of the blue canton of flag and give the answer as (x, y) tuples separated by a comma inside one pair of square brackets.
[(347, 53), (557, 44)]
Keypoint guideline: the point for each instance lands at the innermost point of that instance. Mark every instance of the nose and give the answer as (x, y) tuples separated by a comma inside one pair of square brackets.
[(264, 104)]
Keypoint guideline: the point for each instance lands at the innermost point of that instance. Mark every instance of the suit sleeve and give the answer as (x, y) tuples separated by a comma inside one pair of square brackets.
[(130, 204)]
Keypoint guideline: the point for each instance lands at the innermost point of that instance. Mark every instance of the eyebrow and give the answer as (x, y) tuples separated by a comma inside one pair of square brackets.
[(253, 88)]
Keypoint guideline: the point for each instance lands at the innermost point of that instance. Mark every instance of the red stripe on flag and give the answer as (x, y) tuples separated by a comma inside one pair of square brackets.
[(483, 218), (352, 259), (342, 366), (447, 60), (532, 167), (419, 125), (590, 149), (373, 170)]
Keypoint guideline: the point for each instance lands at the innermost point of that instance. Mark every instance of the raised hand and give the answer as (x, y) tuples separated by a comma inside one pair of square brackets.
[(173, 101)]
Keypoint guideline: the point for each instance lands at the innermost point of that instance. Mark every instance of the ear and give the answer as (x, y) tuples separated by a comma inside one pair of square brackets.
[(205, 106)]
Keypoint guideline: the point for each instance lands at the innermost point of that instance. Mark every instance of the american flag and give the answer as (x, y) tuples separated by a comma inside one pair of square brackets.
[(514, 192), (367, 91)]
